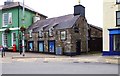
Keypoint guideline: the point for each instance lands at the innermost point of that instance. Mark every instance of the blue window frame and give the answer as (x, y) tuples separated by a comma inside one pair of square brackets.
[(116, 42), (114, 39)]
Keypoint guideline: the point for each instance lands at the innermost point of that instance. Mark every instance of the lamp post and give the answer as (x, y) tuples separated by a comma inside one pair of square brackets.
[(23, 32)]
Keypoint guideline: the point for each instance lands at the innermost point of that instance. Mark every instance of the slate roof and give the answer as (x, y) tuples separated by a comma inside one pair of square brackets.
[(16, 4), (61, 22), (99, 28)]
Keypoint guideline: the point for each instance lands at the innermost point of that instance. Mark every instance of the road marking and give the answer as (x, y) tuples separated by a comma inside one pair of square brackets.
[(26, 60)]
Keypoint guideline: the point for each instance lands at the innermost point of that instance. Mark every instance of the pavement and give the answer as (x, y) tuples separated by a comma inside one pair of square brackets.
[(86, 58)]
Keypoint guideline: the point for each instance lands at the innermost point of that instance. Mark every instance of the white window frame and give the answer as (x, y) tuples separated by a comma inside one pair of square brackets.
[(64, 33), (30, 33), (9, 19), (13, 38), (3, 25), (51, 31), (41, 33), (3, 39)]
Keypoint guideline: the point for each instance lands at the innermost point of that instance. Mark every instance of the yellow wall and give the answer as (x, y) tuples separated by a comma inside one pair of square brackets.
[(109, 20)]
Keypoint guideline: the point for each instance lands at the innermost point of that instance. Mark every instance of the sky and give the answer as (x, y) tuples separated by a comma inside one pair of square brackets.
[(55, 8)]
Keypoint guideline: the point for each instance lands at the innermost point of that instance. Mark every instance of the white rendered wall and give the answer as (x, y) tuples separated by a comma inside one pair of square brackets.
[(109, 20)]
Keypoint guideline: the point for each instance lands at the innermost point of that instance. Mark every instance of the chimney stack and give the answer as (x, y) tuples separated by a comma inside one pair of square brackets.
[(8, 2), (79, 10)]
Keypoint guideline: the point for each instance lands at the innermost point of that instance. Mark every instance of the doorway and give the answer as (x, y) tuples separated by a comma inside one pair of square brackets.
[(41, 46), (51, 46), (78, 47)]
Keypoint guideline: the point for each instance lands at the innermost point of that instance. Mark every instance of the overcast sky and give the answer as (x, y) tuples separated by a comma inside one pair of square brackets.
[(55, 8)]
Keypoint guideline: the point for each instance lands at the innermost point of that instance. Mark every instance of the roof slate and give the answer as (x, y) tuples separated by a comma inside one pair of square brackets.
[(99, 28), (16, 4), (61, 22)]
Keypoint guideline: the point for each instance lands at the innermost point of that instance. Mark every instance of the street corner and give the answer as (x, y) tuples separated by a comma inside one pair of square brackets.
[(111, 59)]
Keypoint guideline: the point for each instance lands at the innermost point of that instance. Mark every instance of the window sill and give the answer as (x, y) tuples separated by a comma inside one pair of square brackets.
[(117, 25), (4, 26), (63, 39), (40, 36), (117, 2)]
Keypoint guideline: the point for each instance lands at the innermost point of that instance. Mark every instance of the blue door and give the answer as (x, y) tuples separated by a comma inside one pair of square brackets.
[(52, 46), (41, 46), (31, 46)]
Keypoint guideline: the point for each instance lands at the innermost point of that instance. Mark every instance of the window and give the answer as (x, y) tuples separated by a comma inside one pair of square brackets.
[(7, 19), (4, 39), (117, 1), (116, 42), (63, 35), (118, 18), (13, 38), (10, 18), (51, 31), (76, 29), (41, 33)]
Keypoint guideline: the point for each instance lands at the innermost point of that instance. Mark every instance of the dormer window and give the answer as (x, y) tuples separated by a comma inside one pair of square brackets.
[(118, 1), (76, 29), (51, 31), (41, 33), (30, 33)]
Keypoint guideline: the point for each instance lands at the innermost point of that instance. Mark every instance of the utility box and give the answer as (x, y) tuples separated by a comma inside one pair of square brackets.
[(58, 50)]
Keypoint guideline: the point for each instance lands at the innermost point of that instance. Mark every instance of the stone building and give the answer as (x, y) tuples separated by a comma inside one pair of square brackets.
[(94, 38), (66, 34)]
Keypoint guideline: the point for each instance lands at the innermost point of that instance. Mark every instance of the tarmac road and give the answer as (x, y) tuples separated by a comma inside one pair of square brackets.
[(44, 67), (13, 63)]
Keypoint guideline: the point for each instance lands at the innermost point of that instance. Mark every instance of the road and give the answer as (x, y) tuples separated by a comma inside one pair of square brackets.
[(47, 67)]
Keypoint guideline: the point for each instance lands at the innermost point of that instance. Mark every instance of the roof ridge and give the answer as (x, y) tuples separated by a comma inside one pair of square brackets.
[(15, 4)]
